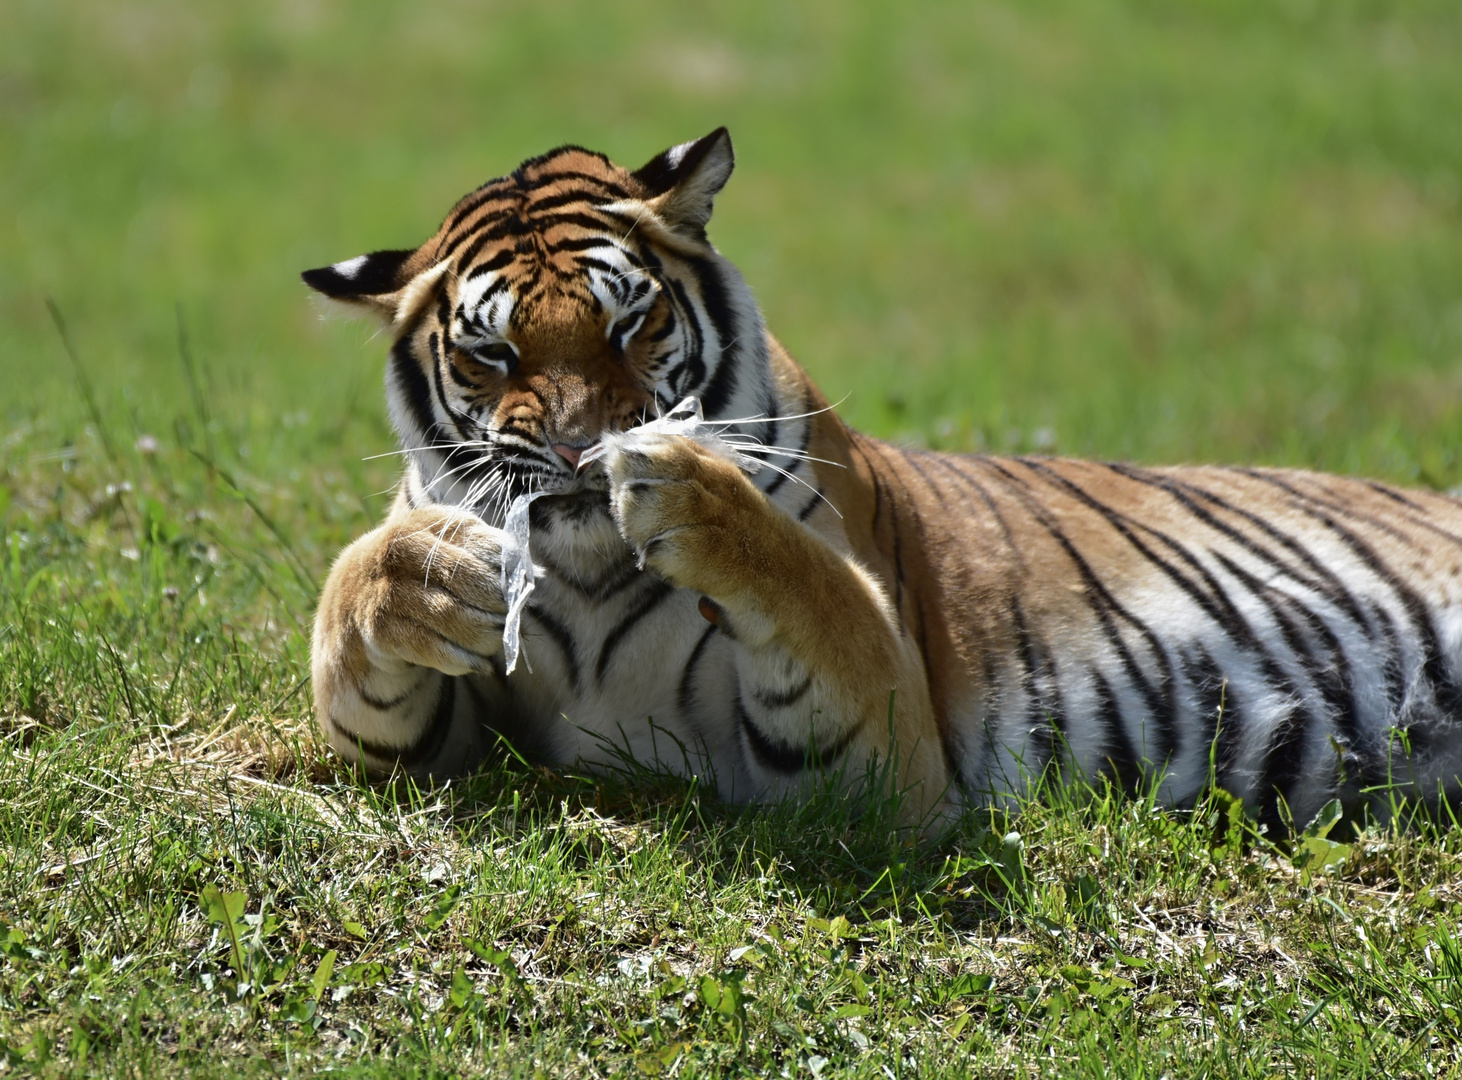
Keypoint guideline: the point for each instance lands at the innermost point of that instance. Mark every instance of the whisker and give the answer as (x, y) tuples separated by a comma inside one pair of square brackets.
[(473, 444), (804, 483), (782, 451), (443, 473), (758, 418)]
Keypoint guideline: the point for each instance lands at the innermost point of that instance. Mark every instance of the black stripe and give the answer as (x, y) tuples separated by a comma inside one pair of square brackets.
[(444, 317), (494, 226), (1237, 626), (397, 701), (460, 379), (525, 284), (430, 744), (514, 196), (949, 464), (483, 216), (893, 517), (563, 176), (777, 756), (427, 746), (1118, 522), (683, 698), (1394, 495), (1445, 688), (1325, 581), (1121, 755), (1337, 508), (877, 486), (586, 243), (715, 298), (496, 261), (921, 544), (898, 558), (653, 597), (912, 457), (625, 329), (440, 390), (1283, 765), (1104, 605), (665, 330), (590, 262), (605, 222), (1395, 672), (415, 392), (1044, 684), (475, 201), (725, 379), (781, 699), (770, 431), (1039, 715), (1215, 699), (410, 754), (559, 634), (692, 346), (615, 580), (550, 202), (715, 301), (1331, 673), (1337, 504), (806, 511), (780, 475), (797, 458)]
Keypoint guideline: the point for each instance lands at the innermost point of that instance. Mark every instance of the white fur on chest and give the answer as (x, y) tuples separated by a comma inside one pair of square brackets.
[(608, 678)]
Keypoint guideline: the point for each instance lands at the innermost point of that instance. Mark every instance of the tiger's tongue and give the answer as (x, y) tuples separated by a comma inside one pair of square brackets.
[(571, 454)]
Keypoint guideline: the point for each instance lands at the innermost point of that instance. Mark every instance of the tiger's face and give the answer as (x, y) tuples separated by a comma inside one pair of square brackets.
[(566, 300)]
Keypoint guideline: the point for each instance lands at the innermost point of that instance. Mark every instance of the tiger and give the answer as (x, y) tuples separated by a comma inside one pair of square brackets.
[(957, 625)]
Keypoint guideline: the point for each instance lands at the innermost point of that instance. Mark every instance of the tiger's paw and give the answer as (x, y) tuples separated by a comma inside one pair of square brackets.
[(690, 515), (423, 590)]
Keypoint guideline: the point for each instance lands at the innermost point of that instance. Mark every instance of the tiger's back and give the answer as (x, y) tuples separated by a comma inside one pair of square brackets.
[(1293, 636)]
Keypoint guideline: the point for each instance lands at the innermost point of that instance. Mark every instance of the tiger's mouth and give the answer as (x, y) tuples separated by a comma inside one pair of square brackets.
[(578, 498)]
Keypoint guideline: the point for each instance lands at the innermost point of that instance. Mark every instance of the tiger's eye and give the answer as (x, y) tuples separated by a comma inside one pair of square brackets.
[(499, 354)]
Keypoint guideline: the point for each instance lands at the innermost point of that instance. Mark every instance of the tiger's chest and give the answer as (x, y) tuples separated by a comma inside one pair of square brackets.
[(618, 665)]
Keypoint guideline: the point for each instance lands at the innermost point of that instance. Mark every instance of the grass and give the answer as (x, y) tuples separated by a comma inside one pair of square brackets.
[(1216, 231)]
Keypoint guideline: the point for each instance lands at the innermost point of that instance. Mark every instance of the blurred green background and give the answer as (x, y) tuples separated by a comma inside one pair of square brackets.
[(1222, 230)]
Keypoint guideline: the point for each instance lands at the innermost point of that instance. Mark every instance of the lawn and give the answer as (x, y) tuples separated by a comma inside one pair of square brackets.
[(1216, 230)]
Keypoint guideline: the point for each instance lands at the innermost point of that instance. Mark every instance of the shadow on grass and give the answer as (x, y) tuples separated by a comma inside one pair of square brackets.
[(845, 847)]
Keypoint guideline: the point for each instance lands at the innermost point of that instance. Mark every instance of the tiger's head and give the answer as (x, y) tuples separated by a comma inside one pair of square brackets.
[(568, 299)]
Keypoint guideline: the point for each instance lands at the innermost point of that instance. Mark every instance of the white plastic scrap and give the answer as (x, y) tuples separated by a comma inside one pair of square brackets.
[(685, 419), (517, 574)]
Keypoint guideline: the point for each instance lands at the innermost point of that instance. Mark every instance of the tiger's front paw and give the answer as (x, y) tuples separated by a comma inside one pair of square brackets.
[(689, 514), (422, 590)]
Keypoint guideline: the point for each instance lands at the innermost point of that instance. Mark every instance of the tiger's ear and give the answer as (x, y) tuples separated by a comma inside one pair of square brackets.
[(372, 281), (684, 180)]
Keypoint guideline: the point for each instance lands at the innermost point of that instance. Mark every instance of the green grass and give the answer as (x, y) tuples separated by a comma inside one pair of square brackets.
[(1217, 230)]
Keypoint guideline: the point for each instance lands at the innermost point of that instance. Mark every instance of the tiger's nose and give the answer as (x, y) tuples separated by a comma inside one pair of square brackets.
[(571, 454)]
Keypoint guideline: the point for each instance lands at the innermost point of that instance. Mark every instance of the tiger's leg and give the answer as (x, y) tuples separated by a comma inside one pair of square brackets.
[(798, 611), (408, 622)]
